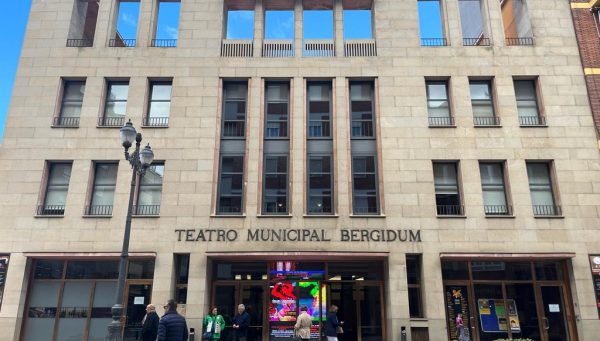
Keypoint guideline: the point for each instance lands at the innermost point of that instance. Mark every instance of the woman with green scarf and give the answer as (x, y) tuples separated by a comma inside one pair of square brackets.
[(213, 325)]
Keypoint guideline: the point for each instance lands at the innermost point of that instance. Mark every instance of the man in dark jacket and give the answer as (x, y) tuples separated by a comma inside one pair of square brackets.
[(150, 326), (172, 326), (241, 321)]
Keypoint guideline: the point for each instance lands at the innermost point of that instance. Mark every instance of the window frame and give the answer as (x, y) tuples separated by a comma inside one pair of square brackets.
[(308, 111), (113, 121), (486, 121), (147, 116), (223, 114), (92, 188), (138, 190), (556, 210), (460, 212), (375, 173), (505, 189), (220, 182), (287, 187), (42, 209), (163, 42), (541, 118), (309, 158), (435, 41), (433, 123), (373, 120), (288, 113), (180, 285), (61, 101), (418, 258)]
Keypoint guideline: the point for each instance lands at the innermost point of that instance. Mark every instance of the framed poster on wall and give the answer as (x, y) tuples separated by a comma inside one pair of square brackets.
[(497, 316)]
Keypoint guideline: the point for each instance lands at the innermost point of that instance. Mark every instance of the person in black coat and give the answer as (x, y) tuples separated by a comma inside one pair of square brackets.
[(150, 326), (332, 324), (241, 321), (172, 326)]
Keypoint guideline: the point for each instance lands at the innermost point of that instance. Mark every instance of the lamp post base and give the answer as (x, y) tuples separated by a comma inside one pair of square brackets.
[(115, 328)]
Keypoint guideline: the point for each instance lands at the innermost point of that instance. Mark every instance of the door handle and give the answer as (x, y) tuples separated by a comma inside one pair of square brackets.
[(546, 323)]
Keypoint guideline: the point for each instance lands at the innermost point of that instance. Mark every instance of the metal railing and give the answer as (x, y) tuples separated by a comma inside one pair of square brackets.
[(476, 42), (442, 121), (450, 209), (164, 43), (237, 48), (525, 41), (362, 128), (80, 42), (99, 210), (278, 48), (234, 128), (360, 48), (318, 48), (150, 210), (486, 121), (156, 121), (497, 209), (434, 42), (52, 210), (532, 121), (65, 122), (111, 121), (319, 128), (546, 210), (121, 43)]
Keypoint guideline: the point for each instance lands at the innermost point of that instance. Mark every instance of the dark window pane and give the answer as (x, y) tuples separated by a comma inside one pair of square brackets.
[(414, 302), (499, 270), (549, 271), (48, 269), (413, 269), (455, 270), (141, 269), (355, 271), (182, 265), (92, 270), (244, 271)]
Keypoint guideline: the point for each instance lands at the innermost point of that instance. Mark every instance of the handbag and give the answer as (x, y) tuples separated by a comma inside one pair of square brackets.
[(339, 330)]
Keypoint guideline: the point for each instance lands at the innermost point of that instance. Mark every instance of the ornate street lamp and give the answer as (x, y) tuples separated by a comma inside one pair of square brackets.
[(140, 161)]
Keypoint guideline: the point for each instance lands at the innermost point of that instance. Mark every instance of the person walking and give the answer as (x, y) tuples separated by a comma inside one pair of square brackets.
[(213, 325), (150, 324), (172, 326), (303, 324), (332, 325), (241, 321)]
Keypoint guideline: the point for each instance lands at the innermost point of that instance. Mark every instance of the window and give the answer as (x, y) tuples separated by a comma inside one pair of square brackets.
[(57, 186), (240, 24), (320, 184), (150, 190), (517, 27), (83, 23), (70, 105), (182, 269), (361, 105), (471, 22), (317, 33), (279, 33), (234, 109), (103, 190), (275, 194), (482, 103), (542, 192), (364, 180), (493, 187), (3, 271), (115, 105), (159, 104), (431, 25), (319, 110), (447, 194), (167, 24), (125, 34), (277, 107), (527, 103), (413, 277), (231, 184), (438, 104)]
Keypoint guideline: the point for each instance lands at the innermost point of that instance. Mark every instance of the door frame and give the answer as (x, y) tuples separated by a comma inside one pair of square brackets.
[(567, 303), (129, 282), (474, 332)]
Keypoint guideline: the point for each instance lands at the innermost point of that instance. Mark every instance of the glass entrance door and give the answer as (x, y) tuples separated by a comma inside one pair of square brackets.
[(554, 321), (138, 296), (343, 295), (371, 319), (228, 296)]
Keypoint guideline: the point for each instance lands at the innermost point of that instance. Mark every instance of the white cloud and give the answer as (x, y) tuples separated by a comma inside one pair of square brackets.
[(172, 32), (129, 20)]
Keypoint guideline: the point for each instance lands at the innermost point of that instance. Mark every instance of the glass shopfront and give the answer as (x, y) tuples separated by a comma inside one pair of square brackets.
[(274, 291), (72, 299), (508, 299)]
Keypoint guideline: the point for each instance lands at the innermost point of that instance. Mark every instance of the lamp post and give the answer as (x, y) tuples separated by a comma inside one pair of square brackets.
[(140, 161)]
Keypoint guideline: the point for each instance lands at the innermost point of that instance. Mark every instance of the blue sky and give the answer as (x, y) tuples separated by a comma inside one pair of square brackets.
[(13, 19)]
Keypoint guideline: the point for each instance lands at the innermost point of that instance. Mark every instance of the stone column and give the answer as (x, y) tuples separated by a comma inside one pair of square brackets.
[(338, 26), (298, 29), (259, 27)]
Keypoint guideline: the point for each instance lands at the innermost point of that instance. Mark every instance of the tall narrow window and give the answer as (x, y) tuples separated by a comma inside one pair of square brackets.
[(542, 192), (517, 26), (277, 110), (234, 109), (103, 191), (182, 269), (275, 197), (159, 104), (527, 103), (167, 24), (320, 184), (71, 103), (447, 194), (438, 104), (361, 105), (115, 105), (413, 277), (494, 190), (431, 24), (126, 27), (471, 22), (57, 186), (364, 180), (231, 184), (150, 190), (83, 23), (482, 103)]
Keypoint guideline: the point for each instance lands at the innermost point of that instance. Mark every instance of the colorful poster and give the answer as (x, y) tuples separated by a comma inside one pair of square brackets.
[(494, 318), (283, 302), (484, 307), (457, 304)]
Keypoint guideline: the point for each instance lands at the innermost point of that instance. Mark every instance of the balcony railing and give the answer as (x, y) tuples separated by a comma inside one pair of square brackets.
[(51, 210), (456, 210), (497, 209), (532, 121), (526, 41), (69, 122), (364, 210), (79, 42), (237, 48), (164, 43), (111, 121), (360, 48), (121, 42), (146, 210), (442, 121), (99, 210), (234, 128), (278, 48), (318, 48), (483, 121), (546, 210), (319, 128), (156, 121), (434, 42), (476, 41), (362, 128)]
